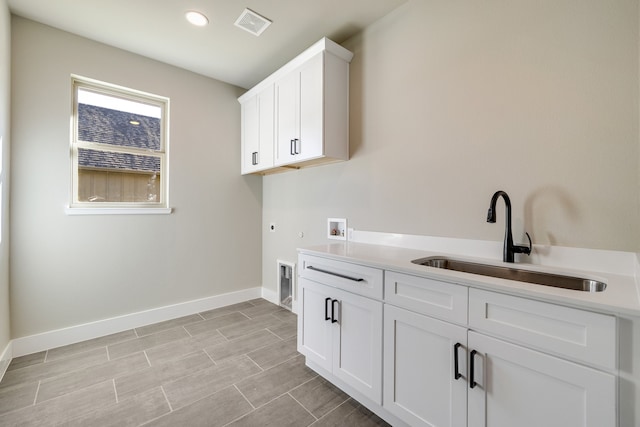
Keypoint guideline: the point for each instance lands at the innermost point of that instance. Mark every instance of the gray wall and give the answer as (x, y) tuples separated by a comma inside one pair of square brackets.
[(5, 60), (453, 100), (69, 270)]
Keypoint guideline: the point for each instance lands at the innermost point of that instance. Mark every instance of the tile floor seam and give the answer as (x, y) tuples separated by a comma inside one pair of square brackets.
[(115, 391), (147, 357), (207, 353), (343, 403), (35, 398), (286, 360), (260, 348), (306, 382), (185, 329), (300, 403), (201, 316), (108, 355), (254, 362), (238, 418), (273, 400), (166, 398), (274, 334), (245, 398), (46, 354), (222, 335)]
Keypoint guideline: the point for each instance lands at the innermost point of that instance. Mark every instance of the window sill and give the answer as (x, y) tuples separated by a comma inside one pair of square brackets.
[(117, 211)]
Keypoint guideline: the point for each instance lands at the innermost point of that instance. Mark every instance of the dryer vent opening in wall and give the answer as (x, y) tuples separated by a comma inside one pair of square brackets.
[(286, 284)]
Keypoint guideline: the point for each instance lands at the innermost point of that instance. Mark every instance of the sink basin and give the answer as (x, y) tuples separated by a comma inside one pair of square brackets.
[(539, 278)]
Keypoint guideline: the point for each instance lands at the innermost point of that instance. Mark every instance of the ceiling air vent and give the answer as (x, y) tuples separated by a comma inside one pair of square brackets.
[(252, 22)]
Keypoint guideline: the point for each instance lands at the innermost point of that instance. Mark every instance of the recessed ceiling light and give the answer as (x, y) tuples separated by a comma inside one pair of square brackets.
[(196, 18)]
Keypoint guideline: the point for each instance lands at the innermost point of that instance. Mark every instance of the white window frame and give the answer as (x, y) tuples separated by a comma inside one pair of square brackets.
[(77, 207)]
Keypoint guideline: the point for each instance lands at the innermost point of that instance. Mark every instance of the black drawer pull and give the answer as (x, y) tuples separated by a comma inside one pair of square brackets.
[(326, 308), (355, 279), (472, 381), (456, 371), (333, 311)]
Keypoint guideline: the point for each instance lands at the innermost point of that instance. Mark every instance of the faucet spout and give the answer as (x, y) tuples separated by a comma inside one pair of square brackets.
[(509, 248)]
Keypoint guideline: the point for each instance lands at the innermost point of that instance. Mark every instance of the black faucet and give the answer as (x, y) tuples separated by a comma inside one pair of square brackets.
[(509, 248)]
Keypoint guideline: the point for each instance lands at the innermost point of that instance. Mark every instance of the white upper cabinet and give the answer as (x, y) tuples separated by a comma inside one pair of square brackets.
[(310, 112)]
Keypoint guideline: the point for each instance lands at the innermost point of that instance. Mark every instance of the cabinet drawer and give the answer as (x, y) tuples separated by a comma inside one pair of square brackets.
[(426, 296), (577, 334), (355, 278)]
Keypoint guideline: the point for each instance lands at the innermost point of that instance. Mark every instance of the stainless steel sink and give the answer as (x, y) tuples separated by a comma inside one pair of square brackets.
[(521, 275)]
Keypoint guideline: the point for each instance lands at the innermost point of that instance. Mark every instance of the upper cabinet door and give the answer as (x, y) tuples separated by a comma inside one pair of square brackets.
[(250, 135), (266, 124), (301, 114), (311, 144), (287, 117), (257, 132)]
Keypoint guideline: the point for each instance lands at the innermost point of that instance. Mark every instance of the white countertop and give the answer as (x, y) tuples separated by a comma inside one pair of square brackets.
[(621, 297)]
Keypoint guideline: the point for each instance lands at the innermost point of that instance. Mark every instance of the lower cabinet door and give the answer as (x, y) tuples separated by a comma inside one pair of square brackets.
[(314, 330), (517, 386), (358, 344), (424, 369)]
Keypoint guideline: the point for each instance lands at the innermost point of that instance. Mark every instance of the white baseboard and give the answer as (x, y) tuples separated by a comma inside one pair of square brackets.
[(5, 358), (270, 296), (73, 334)]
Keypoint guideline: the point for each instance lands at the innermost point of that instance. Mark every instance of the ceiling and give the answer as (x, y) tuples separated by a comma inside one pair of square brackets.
[(158, 29)]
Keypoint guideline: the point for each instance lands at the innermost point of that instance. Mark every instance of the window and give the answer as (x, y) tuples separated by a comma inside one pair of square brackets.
[(119, 149)]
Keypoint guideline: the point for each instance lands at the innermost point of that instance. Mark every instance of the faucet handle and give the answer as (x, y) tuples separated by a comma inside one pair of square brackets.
[(524, 249)]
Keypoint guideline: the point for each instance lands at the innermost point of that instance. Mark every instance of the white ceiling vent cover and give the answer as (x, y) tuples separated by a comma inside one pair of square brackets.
[(252, 22)]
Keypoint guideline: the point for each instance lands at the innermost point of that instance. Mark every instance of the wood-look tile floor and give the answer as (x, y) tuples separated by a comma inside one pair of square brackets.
[(232, 366)]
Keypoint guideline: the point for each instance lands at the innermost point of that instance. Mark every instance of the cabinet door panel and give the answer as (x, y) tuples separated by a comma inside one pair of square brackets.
[(314, 332), (266, 110), (419, 383), (519, 386), (311, 109), (287, 92), (250, 134), (358, 344)]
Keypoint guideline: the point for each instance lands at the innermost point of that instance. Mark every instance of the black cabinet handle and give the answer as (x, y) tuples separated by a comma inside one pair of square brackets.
[(355, 279), (326, 308), (296, 145), (254, 158), (472, 381), (292, 148), (456, 371), (333, 311)]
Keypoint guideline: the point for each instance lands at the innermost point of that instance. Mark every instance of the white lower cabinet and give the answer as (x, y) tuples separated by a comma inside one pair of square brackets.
[(507, 361), (424, 369), (342, 333), (517, 386)]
